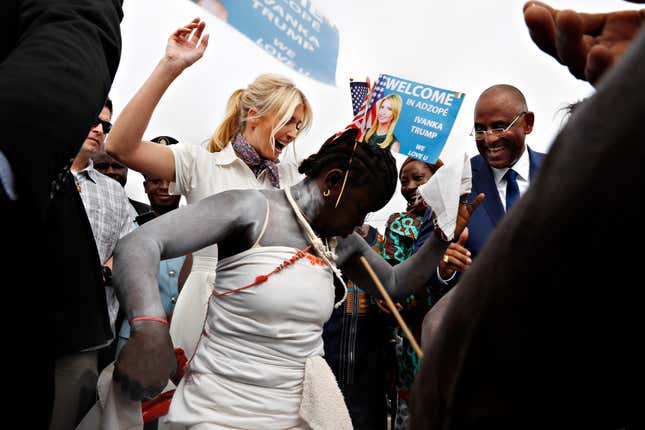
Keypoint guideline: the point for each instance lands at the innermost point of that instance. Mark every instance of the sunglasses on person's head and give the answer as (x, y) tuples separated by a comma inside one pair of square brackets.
[(106, 125)]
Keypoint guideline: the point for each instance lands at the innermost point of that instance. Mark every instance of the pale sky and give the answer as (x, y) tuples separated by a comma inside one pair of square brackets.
[(460, 45)]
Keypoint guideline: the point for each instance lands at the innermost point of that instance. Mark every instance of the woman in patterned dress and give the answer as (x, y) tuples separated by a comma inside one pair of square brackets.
[(401, 232)]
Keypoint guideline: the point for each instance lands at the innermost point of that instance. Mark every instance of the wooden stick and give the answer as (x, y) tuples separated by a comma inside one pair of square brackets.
[(390, 304)]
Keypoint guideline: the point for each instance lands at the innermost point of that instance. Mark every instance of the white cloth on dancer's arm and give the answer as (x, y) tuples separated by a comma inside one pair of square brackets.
[(442, 192), (323, 406), (113, 410)]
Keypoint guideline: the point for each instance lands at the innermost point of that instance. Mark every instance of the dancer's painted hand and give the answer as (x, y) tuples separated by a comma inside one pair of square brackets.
[(146, 362)]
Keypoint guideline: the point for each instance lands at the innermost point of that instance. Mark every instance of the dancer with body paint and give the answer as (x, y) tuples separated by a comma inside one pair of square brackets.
[(258, 363), (260, 122)]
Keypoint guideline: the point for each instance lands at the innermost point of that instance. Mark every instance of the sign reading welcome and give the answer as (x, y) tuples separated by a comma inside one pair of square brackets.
[(412, 118)]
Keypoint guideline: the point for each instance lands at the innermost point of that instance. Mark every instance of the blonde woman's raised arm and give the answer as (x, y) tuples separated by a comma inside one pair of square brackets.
[(185, 47)]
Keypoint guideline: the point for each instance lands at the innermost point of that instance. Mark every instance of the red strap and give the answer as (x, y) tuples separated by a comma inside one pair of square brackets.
[(156, 408), (263, 278), (144, 318), (182, 361)]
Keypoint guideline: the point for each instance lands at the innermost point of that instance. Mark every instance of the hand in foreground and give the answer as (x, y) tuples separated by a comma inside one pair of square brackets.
[(184, 45), (456, 258), (588, 44), (146, 362)]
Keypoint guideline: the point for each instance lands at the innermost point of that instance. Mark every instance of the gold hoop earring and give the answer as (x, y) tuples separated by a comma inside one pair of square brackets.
[(327, 193)]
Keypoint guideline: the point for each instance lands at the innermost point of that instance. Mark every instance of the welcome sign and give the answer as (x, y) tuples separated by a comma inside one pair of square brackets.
[(417, 117)]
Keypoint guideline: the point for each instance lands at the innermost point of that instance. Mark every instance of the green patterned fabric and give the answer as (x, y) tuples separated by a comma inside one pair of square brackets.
[(401, 232)]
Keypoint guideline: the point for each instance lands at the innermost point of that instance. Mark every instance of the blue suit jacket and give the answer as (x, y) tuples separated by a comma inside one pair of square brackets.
[(490, 212)]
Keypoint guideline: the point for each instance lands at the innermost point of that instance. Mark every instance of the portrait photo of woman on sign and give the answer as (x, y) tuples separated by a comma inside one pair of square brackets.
[(381, 134)]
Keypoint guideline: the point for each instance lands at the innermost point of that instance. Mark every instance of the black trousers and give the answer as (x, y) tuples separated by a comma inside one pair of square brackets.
[(57, 62)]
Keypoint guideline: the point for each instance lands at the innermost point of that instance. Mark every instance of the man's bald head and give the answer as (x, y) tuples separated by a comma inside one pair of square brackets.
[(510, 92)]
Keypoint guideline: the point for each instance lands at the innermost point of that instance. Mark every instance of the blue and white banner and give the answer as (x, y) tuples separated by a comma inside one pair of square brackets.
[(411, 118), (293, 31)]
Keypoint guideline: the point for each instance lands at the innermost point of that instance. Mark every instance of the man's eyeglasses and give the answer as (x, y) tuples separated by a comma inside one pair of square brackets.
[(481, 134), (107, 125)]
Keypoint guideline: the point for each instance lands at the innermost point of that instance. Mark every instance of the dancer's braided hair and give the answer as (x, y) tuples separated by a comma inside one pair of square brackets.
[(369, 164)]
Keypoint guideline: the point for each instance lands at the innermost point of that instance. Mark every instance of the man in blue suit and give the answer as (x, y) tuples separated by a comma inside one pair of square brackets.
[(502, 171), (541, 332)]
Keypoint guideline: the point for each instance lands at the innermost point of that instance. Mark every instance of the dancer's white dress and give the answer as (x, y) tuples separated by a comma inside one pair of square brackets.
[(249, 367), (199, 174)]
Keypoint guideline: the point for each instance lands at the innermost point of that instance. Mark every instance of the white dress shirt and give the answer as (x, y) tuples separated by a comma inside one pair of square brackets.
[(521, 168)]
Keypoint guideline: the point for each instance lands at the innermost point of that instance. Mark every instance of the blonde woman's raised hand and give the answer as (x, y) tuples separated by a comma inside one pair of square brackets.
[(187, 44)]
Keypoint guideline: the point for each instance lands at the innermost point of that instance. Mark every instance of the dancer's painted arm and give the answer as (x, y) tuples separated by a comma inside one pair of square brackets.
[(400, 280), (408, 276), (147, 360)]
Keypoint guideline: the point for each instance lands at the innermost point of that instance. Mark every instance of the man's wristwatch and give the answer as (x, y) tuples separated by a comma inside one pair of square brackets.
[(106, 272)]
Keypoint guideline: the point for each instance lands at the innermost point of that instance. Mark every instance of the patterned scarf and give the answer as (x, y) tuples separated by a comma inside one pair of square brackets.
[(256, 163)]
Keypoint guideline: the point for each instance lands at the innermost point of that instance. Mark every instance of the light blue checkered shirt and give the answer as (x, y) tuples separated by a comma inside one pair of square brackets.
[(107, 208)]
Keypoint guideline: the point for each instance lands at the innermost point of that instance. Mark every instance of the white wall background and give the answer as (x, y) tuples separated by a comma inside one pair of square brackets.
[(461, 45)]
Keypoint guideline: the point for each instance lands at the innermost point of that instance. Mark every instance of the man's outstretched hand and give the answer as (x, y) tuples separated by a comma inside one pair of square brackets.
[(587, 43)]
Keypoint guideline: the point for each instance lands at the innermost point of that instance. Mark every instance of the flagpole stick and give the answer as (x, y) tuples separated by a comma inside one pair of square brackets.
[(390, 304)]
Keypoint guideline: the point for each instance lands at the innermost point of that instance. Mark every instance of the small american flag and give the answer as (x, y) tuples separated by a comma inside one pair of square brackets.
[(359, 91), (377, 95), (364, 118)]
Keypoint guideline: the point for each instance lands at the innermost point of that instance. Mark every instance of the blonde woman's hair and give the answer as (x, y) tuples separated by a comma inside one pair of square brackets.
[(397, 104), (268, 94)]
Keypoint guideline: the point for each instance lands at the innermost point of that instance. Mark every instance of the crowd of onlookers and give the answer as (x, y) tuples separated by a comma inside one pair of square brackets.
[(67, 209), (377, 358)]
